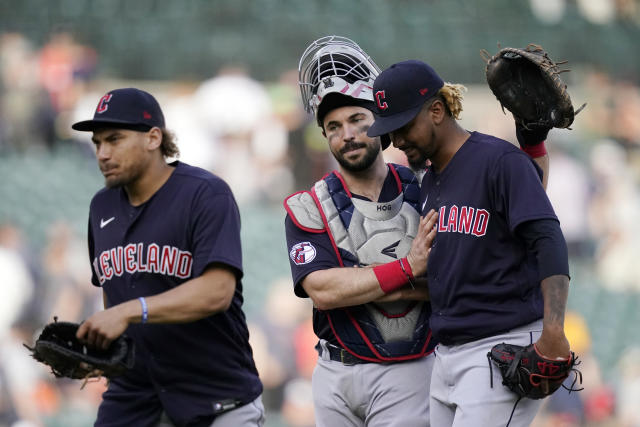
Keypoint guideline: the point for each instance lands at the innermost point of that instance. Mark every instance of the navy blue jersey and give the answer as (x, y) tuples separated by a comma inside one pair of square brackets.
[(320, 254), (481, 278), (191, 222)]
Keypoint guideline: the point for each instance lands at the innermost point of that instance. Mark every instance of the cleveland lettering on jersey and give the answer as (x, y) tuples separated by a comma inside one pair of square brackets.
[(132, 258), (464, 219)]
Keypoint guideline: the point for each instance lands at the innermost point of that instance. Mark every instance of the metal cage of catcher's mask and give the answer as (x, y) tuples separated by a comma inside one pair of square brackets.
[(335, 64)]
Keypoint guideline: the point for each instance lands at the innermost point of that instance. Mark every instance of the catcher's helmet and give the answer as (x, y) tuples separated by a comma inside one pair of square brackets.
[(336, 66)]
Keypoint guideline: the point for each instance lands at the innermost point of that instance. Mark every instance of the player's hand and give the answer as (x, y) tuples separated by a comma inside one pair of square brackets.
[(102, 328), (533, 135), (552, 345), (421, 246)]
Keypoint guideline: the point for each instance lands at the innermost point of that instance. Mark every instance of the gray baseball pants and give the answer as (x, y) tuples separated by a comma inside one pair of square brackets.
[(371, 394)]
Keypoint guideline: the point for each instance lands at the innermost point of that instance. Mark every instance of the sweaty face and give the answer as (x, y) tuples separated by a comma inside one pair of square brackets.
[(121, 155), (346, 131), (416, 139)]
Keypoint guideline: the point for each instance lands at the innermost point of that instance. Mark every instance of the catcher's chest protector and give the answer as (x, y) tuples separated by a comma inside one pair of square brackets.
[(367, 233)]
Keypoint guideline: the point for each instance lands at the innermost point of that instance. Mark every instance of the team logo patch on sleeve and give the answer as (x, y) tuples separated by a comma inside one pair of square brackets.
[(302, 253)]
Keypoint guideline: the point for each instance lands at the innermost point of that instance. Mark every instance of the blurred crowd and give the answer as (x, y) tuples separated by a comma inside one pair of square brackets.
[(258, 138)]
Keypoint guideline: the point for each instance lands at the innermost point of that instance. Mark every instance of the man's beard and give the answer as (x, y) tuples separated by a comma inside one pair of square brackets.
[(418, 164), (365, 162), (113, 183), (133, 173)]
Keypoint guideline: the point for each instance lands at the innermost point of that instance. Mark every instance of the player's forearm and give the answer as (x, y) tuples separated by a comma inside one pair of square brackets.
[(420, 293), (531, 141), (543, 162), (195, 299), (553, 343), (342, 287), (555, 290)]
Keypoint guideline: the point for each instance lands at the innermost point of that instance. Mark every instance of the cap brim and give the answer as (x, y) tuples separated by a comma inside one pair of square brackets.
[(91, 125), (386, 124)]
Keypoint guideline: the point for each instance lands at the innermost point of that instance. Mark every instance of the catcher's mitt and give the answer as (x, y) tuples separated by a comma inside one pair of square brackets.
[(527, 83), (58, 347), (523, 369)]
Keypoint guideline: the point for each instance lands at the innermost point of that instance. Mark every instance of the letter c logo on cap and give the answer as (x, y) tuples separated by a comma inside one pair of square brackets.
[(380, 100), (102, 105)]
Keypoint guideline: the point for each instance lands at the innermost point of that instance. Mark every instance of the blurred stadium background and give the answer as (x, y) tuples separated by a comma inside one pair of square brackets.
[(225, 73)]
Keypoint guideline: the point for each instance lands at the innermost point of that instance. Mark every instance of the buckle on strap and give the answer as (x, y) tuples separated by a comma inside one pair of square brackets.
[(344, 357), (340, 354)]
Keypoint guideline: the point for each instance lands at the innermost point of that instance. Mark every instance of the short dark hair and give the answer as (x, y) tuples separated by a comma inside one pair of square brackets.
[(337, 100)]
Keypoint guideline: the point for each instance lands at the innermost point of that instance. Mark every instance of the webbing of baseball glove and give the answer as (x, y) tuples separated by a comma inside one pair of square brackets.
[(523, 369), (527, 83), (58, 348)]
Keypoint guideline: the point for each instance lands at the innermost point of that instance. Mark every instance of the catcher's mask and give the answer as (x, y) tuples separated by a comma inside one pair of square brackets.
[(336, 66)]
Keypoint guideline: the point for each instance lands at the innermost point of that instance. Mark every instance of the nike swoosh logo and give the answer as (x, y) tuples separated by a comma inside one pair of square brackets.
[(103, 223), (425, 203)]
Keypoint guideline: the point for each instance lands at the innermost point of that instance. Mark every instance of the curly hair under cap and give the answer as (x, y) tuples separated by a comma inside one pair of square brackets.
[(452, 95), (168, 146)]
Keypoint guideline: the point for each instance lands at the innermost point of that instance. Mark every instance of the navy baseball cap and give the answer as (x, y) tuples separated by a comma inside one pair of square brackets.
[(127, 108), (400, 91)]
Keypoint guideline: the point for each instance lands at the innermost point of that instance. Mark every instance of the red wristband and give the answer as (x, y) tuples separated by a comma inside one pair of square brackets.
[(535, 151), (390, 276), (406, 269)]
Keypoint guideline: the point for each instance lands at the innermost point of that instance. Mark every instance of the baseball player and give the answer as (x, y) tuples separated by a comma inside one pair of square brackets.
[(498, 269), (164, 244), (374, 344)]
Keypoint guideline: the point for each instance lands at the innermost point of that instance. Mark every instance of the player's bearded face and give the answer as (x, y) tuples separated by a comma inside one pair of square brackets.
[(357, 163), (417, 140), (121, 155), (346, 130)]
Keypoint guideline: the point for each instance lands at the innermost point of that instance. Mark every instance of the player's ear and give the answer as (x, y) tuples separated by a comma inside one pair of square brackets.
[(438, 111), (154, 139)]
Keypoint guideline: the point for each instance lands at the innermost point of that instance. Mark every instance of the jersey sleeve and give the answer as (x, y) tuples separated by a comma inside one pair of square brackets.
[(215, 230), (544, 238), (518, 192), (308, 252)]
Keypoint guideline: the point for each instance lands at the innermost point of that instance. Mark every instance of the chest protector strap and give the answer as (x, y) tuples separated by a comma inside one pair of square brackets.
[(363, 233)]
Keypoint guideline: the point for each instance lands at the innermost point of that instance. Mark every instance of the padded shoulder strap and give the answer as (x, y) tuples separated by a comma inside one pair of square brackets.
[(304, 212), (409, 182)]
